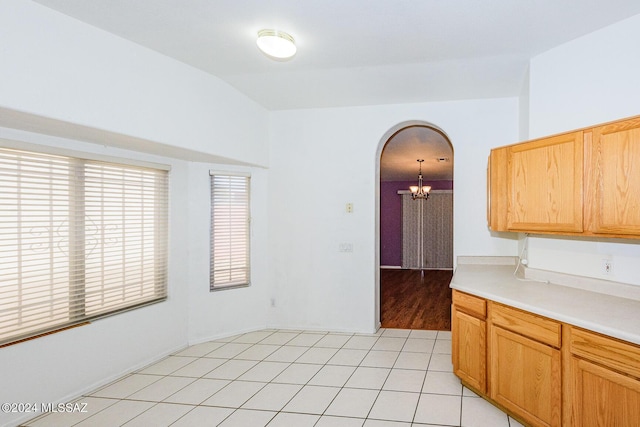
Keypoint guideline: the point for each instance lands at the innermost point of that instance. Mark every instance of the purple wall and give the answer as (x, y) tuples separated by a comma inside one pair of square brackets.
[(391, 217)]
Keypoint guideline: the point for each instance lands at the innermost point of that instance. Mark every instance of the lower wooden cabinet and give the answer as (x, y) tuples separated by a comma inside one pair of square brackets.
[(526, 377), (469, 349), (469, 341), (541, 371), (526, 374), (604, 381), (602, 397)]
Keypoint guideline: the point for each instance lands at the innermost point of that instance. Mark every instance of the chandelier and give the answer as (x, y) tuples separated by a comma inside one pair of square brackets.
[(420, 191)]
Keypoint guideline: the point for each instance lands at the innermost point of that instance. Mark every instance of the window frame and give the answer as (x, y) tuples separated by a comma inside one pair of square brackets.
[(246, 231)]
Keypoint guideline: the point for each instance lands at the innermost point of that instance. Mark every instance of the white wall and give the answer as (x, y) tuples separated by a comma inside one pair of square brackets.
[(591, 80), (71, 76), (524, 107), (61, 366), (322, 159), (587, 81), (55, 66), (230, 311)]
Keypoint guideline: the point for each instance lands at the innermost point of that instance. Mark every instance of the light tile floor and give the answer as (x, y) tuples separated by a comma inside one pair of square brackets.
[(394, 378)]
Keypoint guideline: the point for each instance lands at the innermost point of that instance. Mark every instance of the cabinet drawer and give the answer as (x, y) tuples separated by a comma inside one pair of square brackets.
[(618, 355), (539, 328), (470, 304)]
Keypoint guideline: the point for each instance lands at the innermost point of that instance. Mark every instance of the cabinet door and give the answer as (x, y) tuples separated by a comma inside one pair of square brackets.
[(614, 178), (526, 377), (602, 397), (468, 349), (545, 184), (497, 189)]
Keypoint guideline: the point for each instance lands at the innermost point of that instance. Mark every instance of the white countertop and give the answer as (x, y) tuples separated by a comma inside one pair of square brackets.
[(614, 316)]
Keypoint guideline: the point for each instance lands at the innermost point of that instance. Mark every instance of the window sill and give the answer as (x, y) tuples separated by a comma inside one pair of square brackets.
[(227, 287)]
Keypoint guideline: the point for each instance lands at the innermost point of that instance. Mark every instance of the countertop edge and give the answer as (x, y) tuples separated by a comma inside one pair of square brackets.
[(496, 283)]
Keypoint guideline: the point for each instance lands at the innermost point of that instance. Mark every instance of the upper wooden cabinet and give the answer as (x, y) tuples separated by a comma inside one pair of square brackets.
[(544, 184), (614, 181), (585, 182), (497, 189)]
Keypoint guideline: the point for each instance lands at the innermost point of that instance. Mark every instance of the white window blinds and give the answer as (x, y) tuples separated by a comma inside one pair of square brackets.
[(79, 239), (230, 217)]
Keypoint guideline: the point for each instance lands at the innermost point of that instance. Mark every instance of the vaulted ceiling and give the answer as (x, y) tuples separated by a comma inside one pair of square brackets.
[(356, 52), (359, 52)]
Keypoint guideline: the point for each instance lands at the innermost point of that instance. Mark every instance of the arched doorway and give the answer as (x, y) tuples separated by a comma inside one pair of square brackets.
[(415, 234)]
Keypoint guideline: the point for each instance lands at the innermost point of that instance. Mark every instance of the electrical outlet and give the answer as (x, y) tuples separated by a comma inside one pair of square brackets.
[(607, 267)]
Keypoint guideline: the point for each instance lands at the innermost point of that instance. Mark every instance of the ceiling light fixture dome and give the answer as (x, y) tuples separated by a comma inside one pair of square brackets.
[(276, 44)]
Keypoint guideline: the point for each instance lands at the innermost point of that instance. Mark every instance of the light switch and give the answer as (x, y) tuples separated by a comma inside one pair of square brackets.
[(345, 247)]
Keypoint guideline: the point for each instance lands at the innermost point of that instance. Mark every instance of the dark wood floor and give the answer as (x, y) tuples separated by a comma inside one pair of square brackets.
[(411, 299)]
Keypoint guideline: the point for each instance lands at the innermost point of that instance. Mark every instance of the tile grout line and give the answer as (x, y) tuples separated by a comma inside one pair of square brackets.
[(230, 381), (346, 381), (290, 363), (385, 380), (278, 347), (310, 379)]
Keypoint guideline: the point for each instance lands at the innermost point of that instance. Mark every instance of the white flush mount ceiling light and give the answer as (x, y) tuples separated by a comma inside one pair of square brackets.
[(276, 44)]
